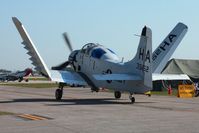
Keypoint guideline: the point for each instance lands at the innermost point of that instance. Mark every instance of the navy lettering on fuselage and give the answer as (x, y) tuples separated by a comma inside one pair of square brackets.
[(164, 46), (108, 71)]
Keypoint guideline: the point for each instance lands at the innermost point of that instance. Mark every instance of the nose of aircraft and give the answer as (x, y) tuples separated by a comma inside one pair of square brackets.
[(72, 56)]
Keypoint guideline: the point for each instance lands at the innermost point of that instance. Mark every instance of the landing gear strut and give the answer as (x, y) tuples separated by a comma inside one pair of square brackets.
[(132, 98), (117, 94), (94, 89), (59, 92)]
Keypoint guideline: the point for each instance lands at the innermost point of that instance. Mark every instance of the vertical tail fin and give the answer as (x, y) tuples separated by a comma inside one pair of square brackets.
[(165, 50), (143, 58)]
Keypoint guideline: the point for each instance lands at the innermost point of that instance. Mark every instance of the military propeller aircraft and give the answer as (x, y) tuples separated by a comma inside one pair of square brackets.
[(19, 75), (99, 67)]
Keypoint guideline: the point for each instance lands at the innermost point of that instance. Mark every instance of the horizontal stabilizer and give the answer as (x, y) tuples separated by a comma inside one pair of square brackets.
[(116, 77), (170, 77), (155, 77)]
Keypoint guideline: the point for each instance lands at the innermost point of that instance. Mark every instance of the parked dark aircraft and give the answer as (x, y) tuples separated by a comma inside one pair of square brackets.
[(19, 75)]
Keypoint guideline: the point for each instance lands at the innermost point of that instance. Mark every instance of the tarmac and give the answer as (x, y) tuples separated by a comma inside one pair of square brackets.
[(81, 111)]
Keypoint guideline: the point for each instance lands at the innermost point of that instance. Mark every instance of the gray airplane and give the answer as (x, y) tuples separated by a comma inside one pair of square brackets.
[(99, 67)]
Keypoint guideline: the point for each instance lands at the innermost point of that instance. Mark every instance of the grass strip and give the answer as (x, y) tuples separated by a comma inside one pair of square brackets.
[(32, 85), (38, 78), (5, 113)]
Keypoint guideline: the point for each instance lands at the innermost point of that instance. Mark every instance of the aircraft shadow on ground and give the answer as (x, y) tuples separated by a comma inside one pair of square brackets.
[(91, 101)]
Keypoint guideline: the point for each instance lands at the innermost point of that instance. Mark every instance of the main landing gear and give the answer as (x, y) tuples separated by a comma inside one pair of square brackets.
[(117, 94), (59, 92)]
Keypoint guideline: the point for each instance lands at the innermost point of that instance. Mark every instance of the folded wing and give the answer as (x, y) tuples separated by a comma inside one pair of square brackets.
[(68, 77)]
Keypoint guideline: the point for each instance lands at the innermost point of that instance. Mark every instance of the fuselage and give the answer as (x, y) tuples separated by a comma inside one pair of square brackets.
[(96, 59)]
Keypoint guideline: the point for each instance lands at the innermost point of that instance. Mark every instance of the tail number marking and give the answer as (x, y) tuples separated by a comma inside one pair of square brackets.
[(142, 67), (144, 56)]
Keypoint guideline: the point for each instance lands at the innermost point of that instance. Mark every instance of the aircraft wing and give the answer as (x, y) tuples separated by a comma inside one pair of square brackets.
[(165, 50), (68, 77), (116, 77), (155, 77), (32, 51), (55, 75)]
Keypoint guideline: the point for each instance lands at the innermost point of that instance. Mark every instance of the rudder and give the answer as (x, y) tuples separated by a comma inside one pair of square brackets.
[(143, 58)]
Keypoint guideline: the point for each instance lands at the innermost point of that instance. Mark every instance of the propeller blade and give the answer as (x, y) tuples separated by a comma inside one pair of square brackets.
[(67, 41), (61, 66)]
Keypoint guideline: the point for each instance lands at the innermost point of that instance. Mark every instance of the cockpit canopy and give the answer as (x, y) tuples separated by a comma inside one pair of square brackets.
[(99, 52)]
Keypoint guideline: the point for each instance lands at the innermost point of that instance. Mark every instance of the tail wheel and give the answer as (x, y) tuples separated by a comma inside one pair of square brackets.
[(132, 98), (117, 94), (58, 94)]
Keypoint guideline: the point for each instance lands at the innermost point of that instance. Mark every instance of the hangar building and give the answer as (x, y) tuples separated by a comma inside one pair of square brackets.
[(179, 66)]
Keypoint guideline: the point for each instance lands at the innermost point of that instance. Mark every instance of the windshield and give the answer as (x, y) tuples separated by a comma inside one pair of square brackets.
[(97, 53)]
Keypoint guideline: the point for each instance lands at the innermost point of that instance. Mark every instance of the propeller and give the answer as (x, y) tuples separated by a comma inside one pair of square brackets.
[(68, 44), (69, 61), (61, 66)]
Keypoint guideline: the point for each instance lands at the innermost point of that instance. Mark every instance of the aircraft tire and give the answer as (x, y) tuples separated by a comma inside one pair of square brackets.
[(58, 94), (20, 79), (117, 94), (149, 95), (133, 100)]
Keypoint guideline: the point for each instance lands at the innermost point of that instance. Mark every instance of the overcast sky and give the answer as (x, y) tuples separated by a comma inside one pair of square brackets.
[(112, 23)]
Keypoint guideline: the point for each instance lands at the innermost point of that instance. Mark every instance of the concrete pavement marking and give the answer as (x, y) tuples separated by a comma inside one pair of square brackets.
[(33, 117)]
